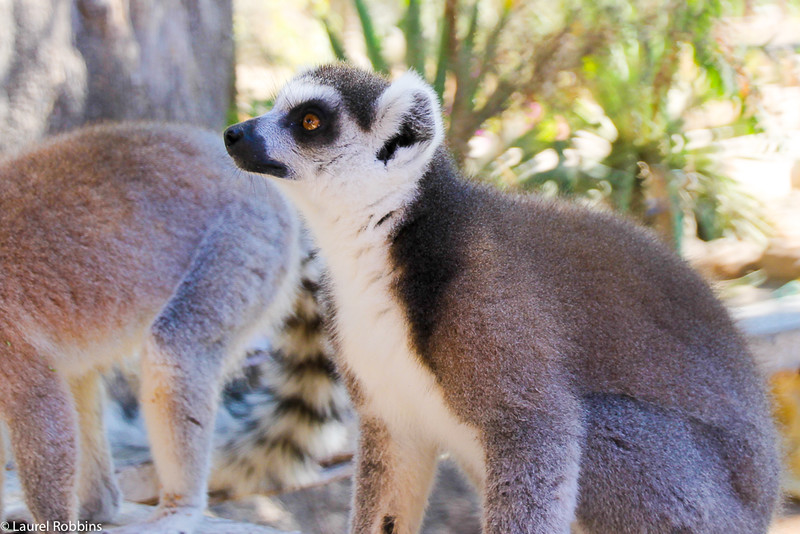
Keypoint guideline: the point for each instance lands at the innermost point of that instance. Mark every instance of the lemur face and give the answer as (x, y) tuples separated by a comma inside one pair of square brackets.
[(344, 129)]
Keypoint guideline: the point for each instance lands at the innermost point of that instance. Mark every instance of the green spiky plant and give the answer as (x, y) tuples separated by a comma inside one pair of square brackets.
[(490, 60), (480, 59), (652, 170)]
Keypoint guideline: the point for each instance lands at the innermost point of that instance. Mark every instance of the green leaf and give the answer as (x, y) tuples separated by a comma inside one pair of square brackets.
[(335, 39), (443, 55), (415, 42), (374, 51)]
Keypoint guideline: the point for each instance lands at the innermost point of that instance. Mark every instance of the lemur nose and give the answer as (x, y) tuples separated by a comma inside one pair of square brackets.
[(233, 134)]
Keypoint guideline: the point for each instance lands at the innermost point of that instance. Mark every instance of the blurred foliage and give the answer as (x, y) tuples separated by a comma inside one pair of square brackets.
[(585, 98)]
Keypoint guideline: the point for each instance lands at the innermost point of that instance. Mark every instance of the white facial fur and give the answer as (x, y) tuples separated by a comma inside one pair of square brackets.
[(346, 175)]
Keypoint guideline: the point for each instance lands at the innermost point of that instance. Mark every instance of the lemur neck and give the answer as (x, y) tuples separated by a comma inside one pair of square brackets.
[(353, 209), (352, 226)]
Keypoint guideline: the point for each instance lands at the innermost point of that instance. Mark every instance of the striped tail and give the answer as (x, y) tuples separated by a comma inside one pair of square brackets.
[(288, 412)]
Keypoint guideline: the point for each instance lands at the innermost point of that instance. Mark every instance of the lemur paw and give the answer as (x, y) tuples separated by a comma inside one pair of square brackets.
[(103, 503), (167, 520)]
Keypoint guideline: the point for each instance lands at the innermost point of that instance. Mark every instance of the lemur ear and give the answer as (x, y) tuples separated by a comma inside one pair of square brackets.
[(408, 121)]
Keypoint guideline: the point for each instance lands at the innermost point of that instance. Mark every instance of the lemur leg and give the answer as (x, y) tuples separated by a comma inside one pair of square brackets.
[(2, 467), (36, 404), (236, 278), (394, 476), (647, 470), (533, 462), (178, 399), (98, 492)]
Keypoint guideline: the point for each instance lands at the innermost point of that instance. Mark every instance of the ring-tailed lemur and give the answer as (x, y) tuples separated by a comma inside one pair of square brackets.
[(143, 239), (576, 368)]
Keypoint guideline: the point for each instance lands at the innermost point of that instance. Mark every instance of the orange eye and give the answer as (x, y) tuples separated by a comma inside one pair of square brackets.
[(310, 121)]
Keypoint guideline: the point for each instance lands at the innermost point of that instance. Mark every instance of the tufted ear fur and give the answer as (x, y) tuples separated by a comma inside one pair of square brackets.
[(408, 122)]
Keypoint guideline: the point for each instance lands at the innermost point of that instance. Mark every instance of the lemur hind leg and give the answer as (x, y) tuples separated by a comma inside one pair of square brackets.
[(648, 470), (231, 289), (533, 459), (98, 492), (35, 403), (394, 475)]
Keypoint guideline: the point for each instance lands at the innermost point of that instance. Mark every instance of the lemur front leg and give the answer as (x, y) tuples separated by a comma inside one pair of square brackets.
[(98, 492), (179, 405), (228, 292), (533, 463), (393, 478)]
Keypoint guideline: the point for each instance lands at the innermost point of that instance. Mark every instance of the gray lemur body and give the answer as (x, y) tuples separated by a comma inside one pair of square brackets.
[(575, 367), (140, 239)]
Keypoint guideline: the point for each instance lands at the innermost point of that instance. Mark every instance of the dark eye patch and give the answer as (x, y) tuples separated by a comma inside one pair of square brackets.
[(328, 129)]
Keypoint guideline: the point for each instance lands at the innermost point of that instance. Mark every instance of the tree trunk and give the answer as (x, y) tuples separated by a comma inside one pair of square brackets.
[(67, 62)]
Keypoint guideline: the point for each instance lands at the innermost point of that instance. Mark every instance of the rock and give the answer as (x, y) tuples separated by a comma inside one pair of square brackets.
[(131, 513), (795, 172), (786, 401), (773, 334), (139, 483), (781, 260), (724, 258), (257, 509)]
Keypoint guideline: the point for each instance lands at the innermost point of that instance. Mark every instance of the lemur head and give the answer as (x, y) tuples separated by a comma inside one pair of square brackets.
[(339, 130)]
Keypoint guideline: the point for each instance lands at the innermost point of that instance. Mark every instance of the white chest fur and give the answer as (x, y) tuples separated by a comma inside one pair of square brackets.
[(375, 340)]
